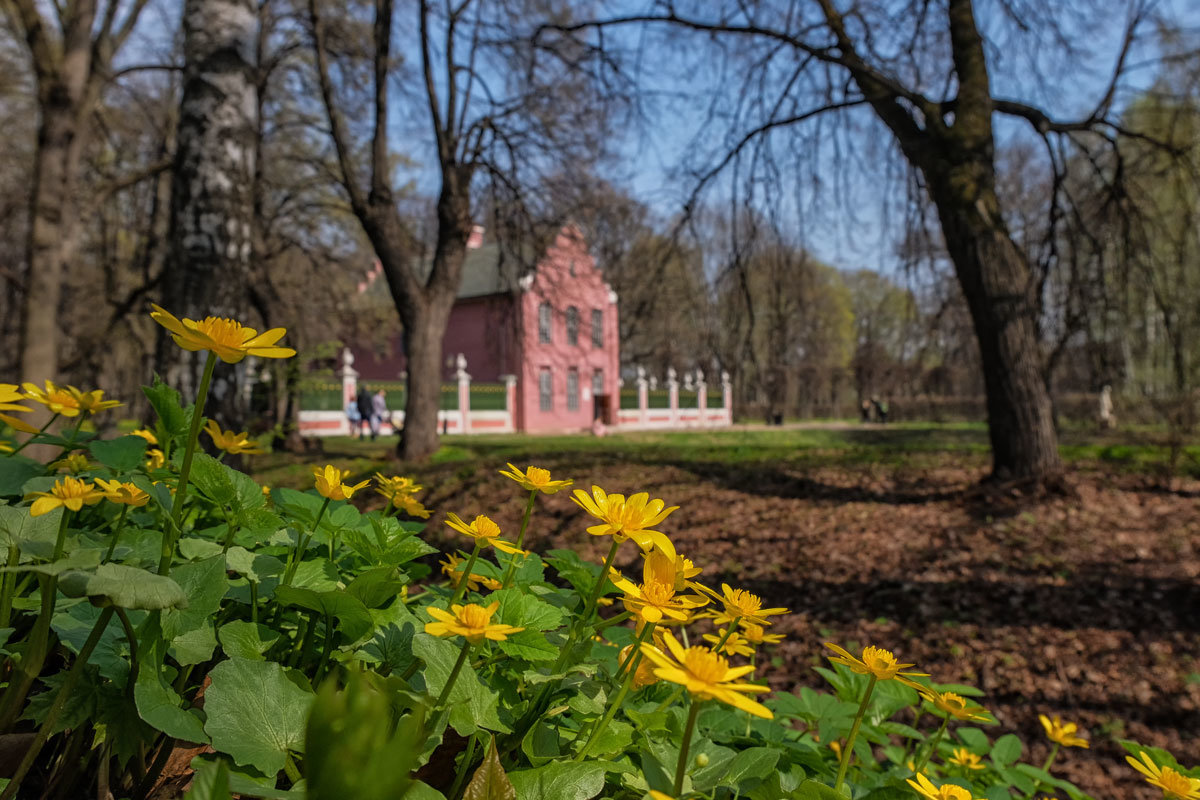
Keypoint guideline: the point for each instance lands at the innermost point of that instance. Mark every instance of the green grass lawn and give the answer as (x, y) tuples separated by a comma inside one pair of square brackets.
[(911, 443)]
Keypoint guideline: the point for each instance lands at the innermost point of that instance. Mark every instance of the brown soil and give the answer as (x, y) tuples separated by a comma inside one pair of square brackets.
[(1085, 604)]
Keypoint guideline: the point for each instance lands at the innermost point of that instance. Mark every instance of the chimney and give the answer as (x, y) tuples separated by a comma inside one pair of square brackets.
[(475, 241)]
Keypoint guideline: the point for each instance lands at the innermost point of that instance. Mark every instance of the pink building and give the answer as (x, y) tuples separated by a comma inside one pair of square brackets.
[(554, 328)]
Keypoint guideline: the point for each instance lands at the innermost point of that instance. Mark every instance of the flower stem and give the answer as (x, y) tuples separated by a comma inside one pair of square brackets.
[(585, 615), (458, 665), (466, 575), (21, 446), (1050, 760), (60, 701), (726, 634), (933, 744), (670, 699), (848, 750), (463, 766), (116, 535), (685, 745), (629, 668), (512, 564), (7, 583), (172, 531), (301, 545)]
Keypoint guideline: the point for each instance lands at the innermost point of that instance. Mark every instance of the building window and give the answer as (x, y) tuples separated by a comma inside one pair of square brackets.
[(573, 326), (572, 389), (597, 328), (598, 383), (545, 390), (544, 316)]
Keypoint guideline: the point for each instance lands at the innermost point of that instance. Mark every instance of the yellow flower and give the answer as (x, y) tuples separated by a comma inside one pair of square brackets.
[(69, 492), (965, 758), (123, 493), (755, 635), (17, 424), (231, 442), (743, 607), (228, 339), (657, 795), (145, 434), (535, 479), (878, 662), (472, 622), (11, 398), (1174, 785), (675, 570), (627, 519), (330, 483), (395, 486), (735, 645), (651, 602), (644, 676), (453, 568), (63, 400), (76, 462), (484, 531), (412, 506), (1062, 733), (93, 401), (955, 705), (706, 675), (947, 791), (155, 458)]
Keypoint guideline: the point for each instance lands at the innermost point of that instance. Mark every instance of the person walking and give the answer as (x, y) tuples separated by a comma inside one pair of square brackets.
[(353, 417), (379, 412), (365, 410)]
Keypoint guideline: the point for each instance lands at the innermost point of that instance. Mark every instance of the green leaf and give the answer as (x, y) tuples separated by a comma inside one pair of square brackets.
[(529, 646), (753, 763), (122, 454), (525, 611), (14, 471), (316, 574), (160, 707), (249, 640), (489, 781), (472, 704), (1006, 750), (560, 781), (255, 714), (17, 527), (195, 646), (975, 740), (354, 748), (378, 587), (260, 522), (354, 621), (811, 790), (167, 404), (127, 587), (254, 566), (210, 781), (204, 583), (111, 656)]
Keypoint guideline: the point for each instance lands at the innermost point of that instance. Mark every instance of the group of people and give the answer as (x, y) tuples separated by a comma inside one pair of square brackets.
[(369, 410), (874, 411)]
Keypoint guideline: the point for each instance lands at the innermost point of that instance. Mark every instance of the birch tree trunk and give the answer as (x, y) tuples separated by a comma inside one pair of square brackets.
[(212, 199)]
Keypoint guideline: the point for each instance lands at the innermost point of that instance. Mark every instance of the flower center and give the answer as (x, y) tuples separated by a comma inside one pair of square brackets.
[(951, 792), (222, 330), (59, 397), (1174, 784), (485, 528), (537, 476), (657, 594), (69, 487), (754, 633), (473, 616), (881, 662), (705, 665), (744, 603)]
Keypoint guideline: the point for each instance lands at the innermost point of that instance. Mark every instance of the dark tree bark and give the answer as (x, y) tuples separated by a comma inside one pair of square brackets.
[(69, 67), (212, 200)]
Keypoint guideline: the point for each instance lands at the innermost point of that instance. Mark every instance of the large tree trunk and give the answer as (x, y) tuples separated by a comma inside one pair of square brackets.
[(212, 199), (997, 283), (53, 230)]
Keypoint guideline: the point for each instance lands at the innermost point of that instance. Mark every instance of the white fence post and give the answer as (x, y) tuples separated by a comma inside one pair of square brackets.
[(702, 398), (643, 388), (464, 394), (349, 377), (727, 397), (673, 395)]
